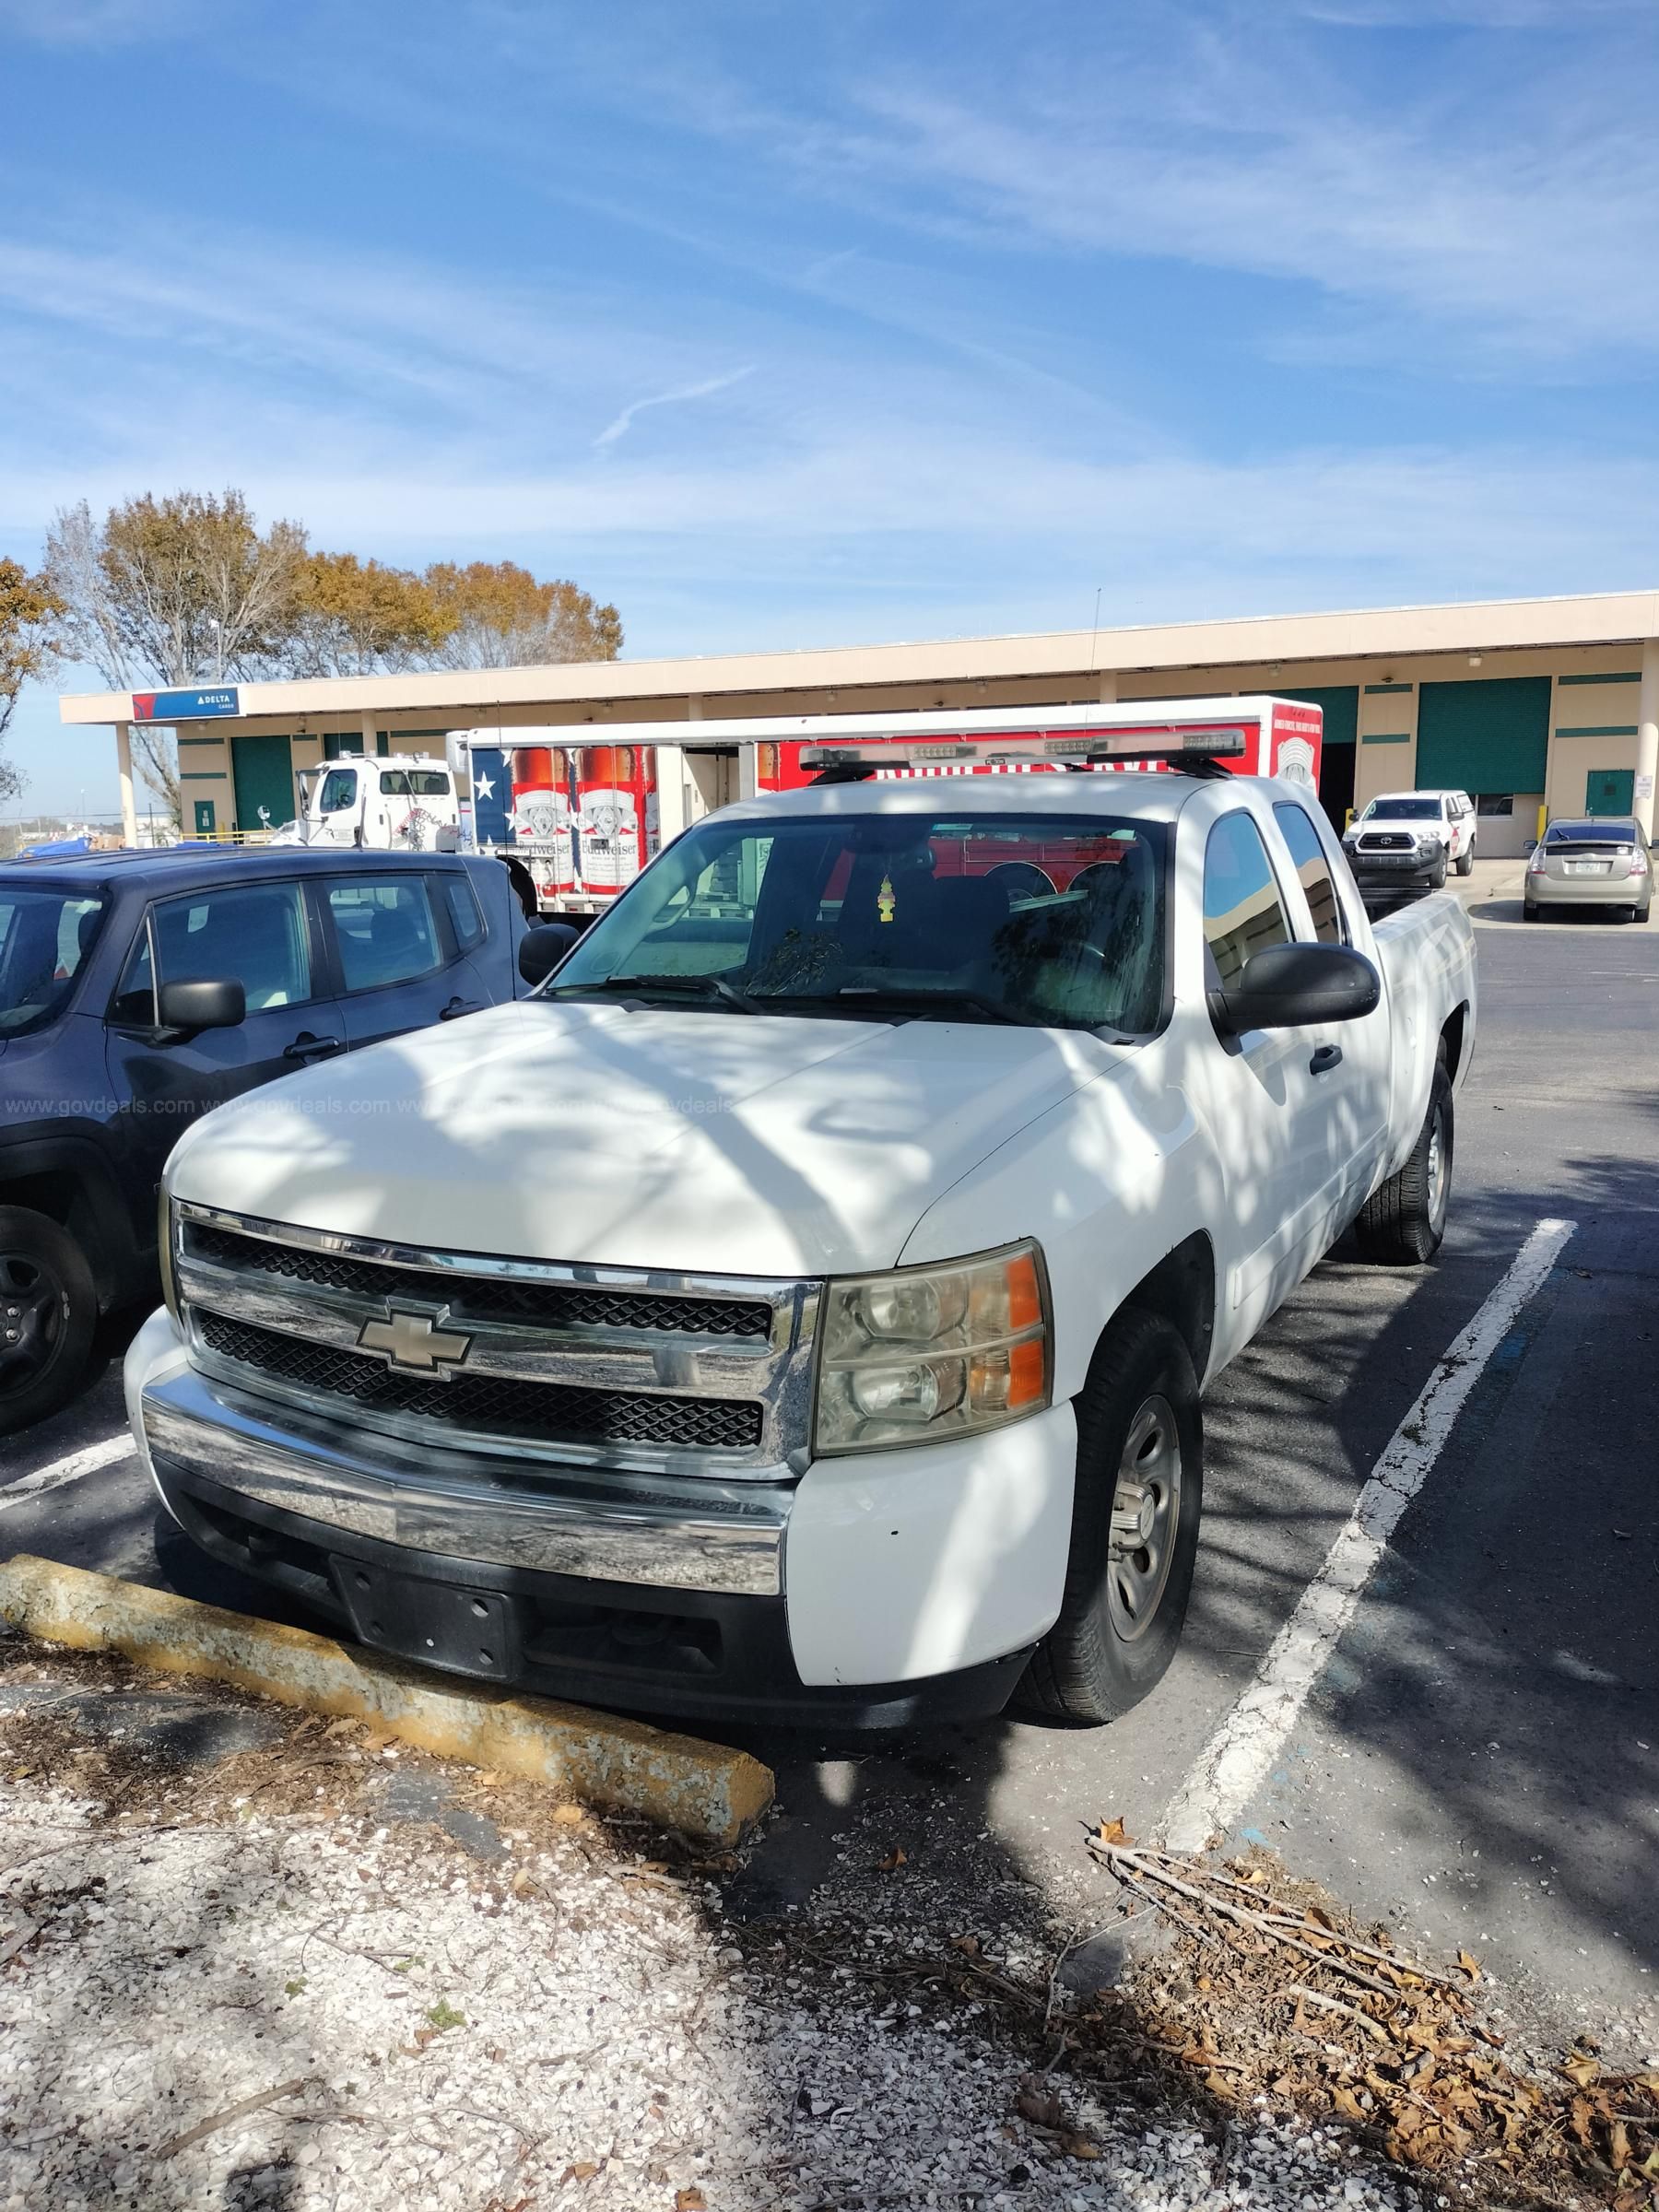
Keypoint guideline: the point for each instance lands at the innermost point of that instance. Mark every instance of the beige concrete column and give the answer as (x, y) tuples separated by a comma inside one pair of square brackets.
[(1647, 737), (1107, 691), (368, 726), (123, 768)]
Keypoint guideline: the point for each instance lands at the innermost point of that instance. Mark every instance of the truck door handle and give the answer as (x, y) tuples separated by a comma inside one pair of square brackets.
[(308, 1047), (458, 1007), (1325, 1057)]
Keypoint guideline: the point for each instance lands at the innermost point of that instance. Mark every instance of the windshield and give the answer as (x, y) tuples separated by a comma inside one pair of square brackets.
[(1056, 920), (45, 936), (1402, 810)]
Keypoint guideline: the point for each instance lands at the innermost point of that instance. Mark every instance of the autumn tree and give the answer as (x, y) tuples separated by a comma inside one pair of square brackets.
[(183, 590), (498, 615), (353, 618), (29, 608)]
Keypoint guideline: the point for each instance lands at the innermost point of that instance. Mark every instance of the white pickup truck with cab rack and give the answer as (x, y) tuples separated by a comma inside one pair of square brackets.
[(799, 1308)]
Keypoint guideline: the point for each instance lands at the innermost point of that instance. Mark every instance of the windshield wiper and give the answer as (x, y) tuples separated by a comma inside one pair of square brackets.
[(669, 986)]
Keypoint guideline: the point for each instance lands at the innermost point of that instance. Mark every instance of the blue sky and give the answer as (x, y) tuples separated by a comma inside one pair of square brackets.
[(804, 323)]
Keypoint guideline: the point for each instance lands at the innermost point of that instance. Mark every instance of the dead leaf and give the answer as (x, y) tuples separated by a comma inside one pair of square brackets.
[(1346, 2103), (1470, 1966), (1038, 2103), (1113, 1831), (1320, 1918), (343, 1727), (569, 1816), (896, 1858), (1079, 2147), (968, 1945), (1218, 2085), (583, 2170), (1619, 2146), (690, 2200), (489, 1775), (1586, 2072)]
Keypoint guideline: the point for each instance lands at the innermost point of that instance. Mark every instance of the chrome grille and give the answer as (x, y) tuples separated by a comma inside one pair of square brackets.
[(596, 1366), (557, 1306), (489, 1404)]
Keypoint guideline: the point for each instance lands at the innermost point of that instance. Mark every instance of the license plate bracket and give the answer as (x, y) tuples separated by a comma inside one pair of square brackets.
[(462, 1630)]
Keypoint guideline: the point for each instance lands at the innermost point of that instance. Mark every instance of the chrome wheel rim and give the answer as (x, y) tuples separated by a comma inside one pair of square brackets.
[(1438, 1171), (1146, 1513)]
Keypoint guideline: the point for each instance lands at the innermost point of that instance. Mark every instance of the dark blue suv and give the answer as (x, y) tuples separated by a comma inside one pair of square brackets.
[(139, 989)]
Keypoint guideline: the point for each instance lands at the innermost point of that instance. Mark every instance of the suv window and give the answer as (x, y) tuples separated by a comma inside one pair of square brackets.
[(253, 933), (1243, 911), (44, 937), (1313, 873), (464, 914), (384, 930)]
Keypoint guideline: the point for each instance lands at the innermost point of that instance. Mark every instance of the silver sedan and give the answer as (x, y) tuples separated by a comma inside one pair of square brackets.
[(1591, 862)]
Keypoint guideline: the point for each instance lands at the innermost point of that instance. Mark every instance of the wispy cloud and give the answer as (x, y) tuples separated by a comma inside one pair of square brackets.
[(620, 424)]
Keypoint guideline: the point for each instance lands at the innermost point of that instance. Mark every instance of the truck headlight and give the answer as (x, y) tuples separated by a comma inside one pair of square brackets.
[(930, 1352), (164, 1254)]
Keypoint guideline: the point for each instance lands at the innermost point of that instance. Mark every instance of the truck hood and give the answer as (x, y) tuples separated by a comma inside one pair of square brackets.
[(692, 1141)]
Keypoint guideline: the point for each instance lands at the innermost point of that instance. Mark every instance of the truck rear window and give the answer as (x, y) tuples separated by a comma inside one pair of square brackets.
[(1054, 920)]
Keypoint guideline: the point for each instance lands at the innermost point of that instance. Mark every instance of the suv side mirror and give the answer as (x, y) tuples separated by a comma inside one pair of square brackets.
[(218, 1005), (1297, 986), (541, 949)]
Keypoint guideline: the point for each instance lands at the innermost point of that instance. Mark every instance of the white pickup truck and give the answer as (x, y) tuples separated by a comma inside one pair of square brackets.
[(799, 1309)]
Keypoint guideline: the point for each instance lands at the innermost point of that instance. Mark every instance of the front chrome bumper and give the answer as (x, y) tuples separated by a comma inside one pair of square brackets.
[(683, 1535)]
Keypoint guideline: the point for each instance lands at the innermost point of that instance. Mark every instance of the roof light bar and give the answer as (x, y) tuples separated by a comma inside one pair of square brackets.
[(1171, 742)]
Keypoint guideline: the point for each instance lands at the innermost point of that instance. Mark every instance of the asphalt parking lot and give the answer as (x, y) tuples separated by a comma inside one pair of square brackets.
[(1476, 1756)]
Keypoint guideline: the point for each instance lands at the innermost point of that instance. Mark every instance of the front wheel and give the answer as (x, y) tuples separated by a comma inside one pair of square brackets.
[(1437, 882), (1134, 1527), (48, 1311), (1404, 1223)]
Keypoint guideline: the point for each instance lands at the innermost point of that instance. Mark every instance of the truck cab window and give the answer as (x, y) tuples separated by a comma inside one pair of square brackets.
[(339, 791), (1243, 911), (1313, 872)]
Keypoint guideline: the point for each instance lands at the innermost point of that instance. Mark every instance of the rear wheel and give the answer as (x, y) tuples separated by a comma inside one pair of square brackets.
[(48, 1311), (1403, 1224), (1134, 1527), (1529, 911), (1466, 860)]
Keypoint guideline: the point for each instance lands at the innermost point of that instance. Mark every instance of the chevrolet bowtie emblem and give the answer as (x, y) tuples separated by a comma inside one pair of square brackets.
[(414, 1343)]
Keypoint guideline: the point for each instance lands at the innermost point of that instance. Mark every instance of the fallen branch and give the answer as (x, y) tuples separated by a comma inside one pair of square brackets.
[(236, 2112), (1351, 2012)]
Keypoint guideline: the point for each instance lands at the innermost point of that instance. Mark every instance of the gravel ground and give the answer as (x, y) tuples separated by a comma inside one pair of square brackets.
[(206, 2004)]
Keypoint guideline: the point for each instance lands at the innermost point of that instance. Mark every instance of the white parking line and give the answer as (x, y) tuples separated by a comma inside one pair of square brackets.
[(70, 1468), (1232, 1765)]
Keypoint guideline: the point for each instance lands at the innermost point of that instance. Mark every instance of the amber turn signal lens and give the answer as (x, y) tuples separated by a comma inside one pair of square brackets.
[(1024, 1300)]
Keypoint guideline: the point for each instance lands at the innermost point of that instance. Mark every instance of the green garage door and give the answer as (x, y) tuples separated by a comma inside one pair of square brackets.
[(1341, 704), (1490, 735), (265, 781)]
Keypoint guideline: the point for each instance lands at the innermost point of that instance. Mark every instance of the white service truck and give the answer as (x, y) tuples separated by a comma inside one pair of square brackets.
[(799, 1308)]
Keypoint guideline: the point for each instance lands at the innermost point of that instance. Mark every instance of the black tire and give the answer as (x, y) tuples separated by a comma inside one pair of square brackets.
[(1643, 911), (1437, 882), (48, 1311), (1466, 860), (1404, 1223), (1095, 1663), (1529, 911)]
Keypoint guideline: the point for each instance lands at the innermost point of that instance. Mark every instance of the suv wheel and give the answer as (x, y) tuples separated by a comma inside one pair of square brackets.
[(1466, 859), (48, 1310)]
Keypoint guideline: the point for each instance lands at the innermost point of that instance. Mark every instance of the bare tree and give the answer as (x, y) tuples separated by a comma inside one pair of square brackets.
[(177, 591)]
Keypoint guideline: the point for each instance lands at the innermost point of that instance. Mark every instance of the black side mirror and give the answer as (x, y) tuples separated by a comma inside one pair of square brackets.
[(218, 1005), (1295, 986), (541, 949)]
